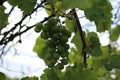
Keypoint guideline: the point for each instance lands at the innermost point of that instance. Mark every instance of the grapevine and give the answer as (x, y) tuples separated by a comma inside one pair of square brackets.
[(66, 42)]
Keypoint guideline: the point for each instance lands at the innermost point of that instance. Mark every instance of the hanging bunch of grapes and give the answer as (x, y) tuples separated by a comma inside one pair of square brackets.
[(56, 49)]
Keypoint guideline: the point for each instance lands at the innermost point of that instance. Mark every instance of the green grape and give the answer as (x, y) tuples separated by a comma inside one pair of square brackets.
[(38, 27), (50, 43), (64, 54), (60, 49), (60, 66), (55, 29), (49, 56), (67, 33), (63, 39), (45, 35), (57, 20), (52, 21), (56, 56), (56, 36), (46, 28), (62, 29), (64, 61), (51, 63), (108, 67), (51, 50), (66, 46)]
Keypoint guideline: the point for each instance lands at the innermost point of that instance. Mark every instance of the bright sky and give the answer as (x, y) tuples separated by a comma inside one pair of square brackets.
[(26, 60)]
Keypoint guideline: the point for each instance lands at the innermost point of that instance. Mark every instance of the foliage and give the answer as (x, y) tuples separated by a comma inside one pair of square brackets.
[(2, 76), (87, 59)]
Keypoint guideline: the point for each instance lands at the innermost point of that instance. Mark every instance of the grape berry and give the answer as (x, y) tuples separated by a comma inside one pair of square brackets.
[(56, 37)]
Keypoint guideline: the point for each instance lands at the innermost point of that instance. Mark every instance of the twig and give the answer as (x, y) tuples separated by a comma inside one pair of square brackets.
[(82, 37)]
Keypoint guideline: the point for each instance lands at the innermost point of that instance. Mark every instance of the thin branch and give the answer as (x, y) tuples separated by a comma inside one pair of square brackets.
[(82, 37)]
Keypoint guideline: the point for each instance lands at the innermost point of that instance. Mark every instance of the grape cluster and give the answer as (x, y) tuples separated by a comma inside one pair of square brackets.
[(56, 37)]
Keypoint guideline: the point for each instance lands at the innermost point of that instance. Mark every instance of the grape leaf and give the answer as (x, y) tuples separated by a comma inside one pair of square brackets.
[(14, 2), (77, 74), (53, 1), (26, 6), (103, 25), (113, 61), (49, 74), (3, 17), (43, 77), (71, 25), (74, 56), (93, 47), (93, 39), (77, 41), (114, 33), (106, 50), (30, 78), (2, 76), (100, 13), (39, 47), (82, 4), (94, 51)]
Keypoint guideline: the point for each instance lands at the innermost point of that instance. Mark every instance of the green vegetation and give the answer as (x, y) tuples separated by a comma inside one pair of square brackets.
[(87, 59)]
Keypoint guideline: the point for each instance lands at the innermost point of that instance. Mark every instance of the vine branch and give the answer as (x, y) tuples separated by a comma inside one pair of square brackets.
[(81, 35)]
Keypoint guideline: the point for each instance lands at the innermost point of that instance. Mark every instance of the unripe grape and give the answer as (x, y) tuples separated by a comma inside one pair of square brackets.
[(62, 29), (60, 66), (64, 54), (51, 63), (46, 28), (52, 21), (56, 36), (49, 56), (63, 39), (38, 27), (51, 50), (55, 29), (56, 56), (64, 61), (68, 33), (66, 46), (60, 49), (45, 35), (50, 43)]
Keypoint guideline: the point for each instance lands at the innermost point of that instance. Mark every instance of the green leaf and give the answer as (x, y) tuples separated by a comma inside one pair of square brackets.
[(43, 77), (71, 25), (106, 50), (30, 78), (93, 39), (3, 17), (39, 47), (114, 33), (100, 13), (112, 62), (14, 2), (49, 74), (26, 6), (82, 4), (93, 47), (53, 1), (115, 61), (77, 74), (2, 76), (77, 41), (95, 51), (103, 25), (74, 56)]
